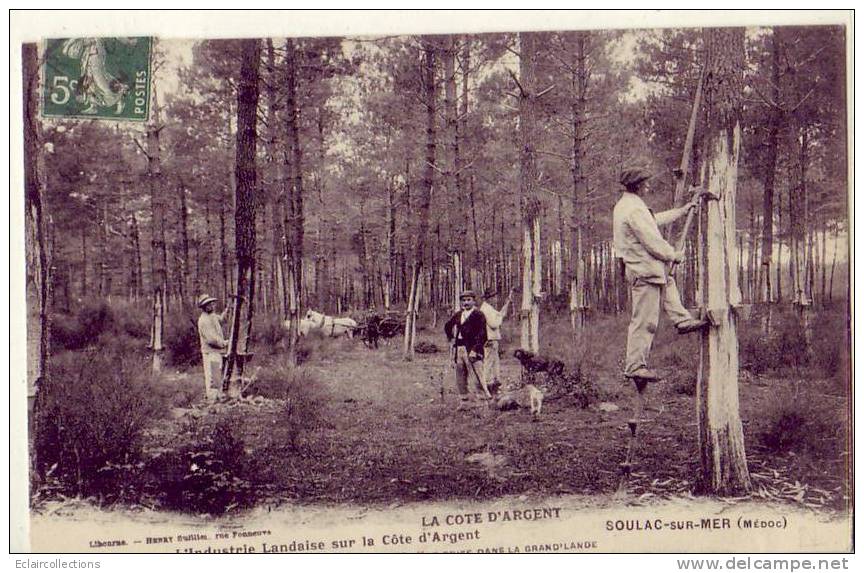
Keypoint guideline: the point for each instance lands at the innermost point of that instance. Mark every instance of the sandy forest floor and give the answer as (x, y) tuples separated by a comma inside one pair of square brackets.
[(376, 430)]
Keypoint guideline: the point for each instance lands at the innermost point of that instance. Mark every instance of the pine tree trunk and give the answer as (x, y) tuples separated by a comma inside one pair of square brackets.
[(452, 179), (425, 196), (799, 219), (296, 158), (778, 274), (531, 248), (823, 261), (244, 215), (458, 280), (84, 291), (391, 245), (771, 169), (579, 77), (833, 262), (223, 251), (277, 260), (721, 437), (102, 236), (135, 267), (183, 282), (36, 250), (158, 255)]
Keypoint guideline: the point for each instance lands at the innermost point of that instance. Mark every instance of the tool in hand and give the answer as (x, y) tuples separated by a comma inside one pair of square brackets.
[(679, 244)]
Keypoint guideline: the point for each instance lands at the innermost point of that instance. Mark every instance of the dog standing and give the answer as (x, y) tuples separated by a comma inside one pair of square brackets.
[(532, 365)]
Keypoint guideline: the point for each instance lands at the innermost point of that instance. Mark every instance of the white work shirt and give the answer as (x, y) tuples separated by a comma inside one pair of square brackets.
[(494, 319), (638, 241), (210, 333), (465, 315)]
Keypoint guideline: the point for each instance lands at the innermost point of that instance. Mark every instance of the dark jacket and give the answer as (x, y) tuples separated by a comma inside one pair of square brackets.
[(471, 334)]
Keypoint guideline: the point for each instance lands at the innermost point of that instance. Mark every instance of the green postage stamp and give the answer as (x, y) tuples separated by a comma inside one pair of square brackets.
[(106, 78)]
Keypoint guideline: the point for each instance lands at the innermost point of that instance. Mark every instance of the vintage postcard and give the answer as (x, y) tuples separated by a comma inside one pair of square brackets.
[(412, 282)]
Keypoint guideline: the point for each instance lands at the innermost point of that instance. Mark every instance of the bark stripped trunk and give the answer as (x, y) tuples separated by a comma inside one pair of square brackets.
[(277, 268), (244, 215), (765, 293), (158, 255), (135, 238), (579, 77), (462, 134), (531, 249), (778, 273), (799, 220), (293, 125), (294, 199), (459, 227), (833, 261), (84, 292), (183, 278), (36, 250), (391, 245), (424, 198), (458, 279), (223, 250), (721, 436), (102, 237)]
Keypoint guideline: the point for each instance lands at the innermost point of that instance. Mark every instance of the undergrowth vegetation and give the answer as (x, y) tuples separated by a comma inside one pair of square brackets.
[(102, 407)]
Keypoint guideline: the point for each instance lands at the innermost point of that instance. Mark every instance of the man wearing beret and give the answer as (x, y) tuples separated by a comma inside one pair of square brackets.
[(646, 255), (466, 333)]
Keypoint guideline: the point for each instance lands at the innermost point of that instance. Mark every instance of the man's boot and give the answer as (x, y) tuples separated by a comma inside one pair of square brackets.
[(691, 325), (644, 373)]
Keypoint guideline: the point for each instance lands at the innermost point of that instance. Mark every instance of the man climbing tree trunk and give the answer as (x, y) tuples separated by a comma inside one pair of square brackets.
[(36, 248), (158, 256), (424, 197), (721, 437), (531, 249), (244, 217)]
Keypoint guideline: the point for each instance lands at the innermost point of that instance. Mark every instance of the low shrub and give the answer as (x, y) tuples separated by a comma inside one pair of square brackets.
[(132, 320), (831, 346), (90, 420), (783, 348), (269, 334), (683, 382), (182, 345), (179, 390), (578, 388), (302, 411), (800, 425), (82, 329), (125, 344), (300, 390), (313, 344), (208, 473)]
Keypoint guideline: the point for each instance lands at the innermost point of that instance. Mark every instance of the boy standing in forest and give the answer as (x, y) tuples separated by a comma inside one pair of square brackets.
[(646, 255), (213, 343), (491, 358), (466, 333)]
